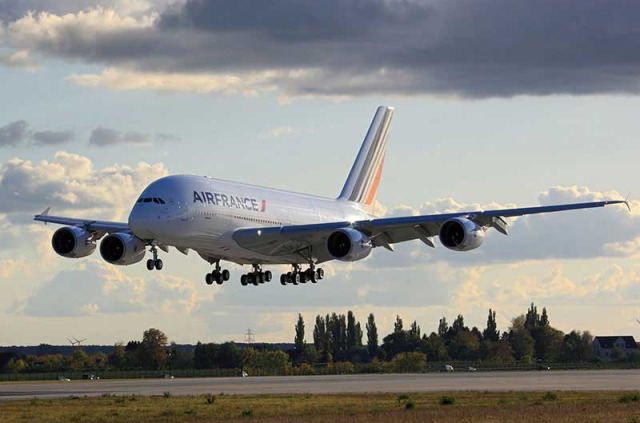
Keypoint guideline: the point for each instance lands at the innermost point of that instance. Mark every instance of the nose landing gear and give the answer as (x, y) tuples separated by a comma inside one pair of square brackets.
[(218, 275), (155, 262)]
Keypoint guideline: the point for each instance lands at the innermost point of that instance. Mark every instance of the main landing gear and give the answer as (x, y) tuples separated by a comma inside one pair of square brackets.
[(256, 277), (297, 276), (218, 275), (155, 262)]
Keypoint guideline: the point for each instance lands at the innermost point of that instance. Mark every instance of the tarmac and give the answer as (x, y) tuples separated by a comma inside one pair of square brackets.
[(555, 380)]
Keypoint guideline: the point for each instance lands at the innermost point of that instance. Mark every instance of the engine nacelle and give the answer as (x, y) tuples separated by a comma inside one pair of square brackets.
[(73, 242), (461, 234), (122, 249), (348, 245)]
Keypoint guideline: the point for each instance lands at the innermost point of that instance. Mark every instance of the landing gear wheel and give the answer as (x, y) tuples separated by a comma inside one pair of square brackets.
[(296, 278), (208, 279), (150, 264), (244, 280), (225, 275), (283, 279), (268, 276), (218, 278), (320, 273), (253, 279), (310, 275), (158, 264), (260, 277)]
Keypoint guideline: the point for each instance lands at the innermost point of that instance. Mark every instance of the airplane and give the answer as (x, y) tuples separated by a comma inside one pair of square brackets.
[(247, 224)]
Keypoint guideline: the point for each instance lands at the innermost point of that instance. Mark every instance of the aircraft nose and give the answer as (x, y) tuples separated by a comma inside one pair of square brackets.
[(138, 223)]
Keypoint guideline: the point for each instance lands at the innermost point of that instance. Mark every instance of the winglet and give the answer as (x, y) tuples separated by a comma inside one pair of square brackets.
[(626, 202), (45, 212)]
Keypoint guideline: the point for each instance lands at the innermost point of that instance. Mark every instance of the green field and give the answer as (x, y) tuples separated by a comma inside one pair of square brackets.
[(424, 407)]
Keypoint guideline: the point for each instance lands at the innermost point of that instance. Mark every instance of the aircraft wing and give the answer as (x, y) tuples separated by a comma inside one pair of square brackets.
[(286, 240), (88, 224)]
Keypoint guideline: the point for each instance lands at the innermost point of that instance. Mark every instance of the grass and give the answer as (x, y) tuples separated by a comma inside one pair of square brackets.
[(604, 406)]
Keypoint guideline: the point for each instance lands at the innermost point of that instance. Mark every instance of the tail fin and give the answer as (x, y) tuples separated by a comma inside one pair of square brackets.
[(362, 183)]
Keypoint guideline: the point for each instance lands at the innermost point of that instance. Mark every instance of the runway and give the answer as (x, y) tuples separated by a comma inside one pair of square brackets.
[(579, 380)]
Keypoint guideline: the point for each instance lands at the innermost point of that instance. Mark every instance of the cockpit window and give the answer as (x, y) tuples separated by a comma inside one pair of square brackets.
[(147, 200), (139, 200), (155, 200), (161, 201)]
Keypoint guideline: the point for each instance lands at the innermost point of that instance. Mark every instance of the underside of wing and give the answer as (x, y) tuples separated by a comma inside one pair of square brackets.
[(311, 240)]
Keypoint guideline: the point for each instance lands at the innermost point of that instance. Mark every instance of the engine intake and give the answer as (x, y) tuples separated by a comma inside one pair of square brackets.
[(122, 249), (348, 245), (460, 234), (73, 242)]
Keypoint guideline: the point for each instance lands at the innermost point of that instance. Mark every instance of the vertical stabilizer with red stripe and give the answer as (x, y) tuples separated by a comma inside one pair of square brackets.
[(362, 183)]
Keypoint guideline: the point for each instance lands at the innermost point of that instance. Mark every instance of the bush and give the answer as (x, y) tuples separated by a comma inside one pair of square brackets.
[(402, 398), (550, 396), (410, 405), (210, 398), (409, 362), (305, 369), (247, 413), (630, 398), (447, 400), (340, 368), (167, 394)]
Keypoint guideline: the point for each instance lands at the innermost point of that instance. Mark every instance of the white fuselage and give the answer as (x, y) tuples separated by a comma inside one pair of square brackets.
[(200, 213)]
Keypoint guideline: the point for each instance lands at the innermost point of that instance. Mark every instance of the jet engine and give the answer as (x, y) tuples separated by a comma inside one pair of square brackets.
[(122, 249), (348, 245), (73, 242), (460, 234)]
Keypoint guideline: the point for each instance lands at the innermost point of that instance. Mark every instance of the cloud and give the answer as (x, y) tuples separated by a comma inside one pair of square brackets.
[(69, 181), (94, 287), (103, 137), (493, 48), (19, 60), (52, 137), (18, 132), (13, 133), (278, 132)]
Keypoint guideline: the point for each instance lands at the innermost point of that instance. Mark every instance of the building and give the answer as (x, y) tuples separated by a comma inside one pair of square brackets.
[(603, 345)]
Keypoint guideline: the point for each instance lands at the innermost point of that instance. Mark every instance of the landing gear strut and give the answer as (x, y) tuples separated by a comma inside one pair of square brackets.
[(218, 275), (297, 275), (256, 277), (155, 262)]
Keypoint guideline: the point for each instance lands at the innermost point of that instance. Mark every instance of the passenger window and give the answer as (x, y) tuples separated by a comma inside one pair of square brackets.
[(147, 200)]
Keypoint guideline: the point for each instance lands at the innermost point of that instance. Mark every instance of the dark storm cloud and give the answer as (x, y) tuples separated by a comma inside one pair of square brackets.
[(358, 47)]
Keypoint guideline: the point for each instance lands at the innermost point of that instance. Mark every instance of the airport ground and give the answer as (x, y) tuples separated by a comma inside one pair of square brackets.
[(556, 396), (437, 407)]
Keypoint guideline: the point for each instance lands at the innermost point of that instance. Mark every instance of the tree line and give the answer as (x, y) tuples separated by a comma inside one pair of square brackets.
[(338, 341)]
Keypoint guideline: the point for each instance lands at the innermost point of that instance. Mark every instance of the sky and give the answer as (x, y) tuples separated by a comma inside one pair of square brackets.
[(499, 103)]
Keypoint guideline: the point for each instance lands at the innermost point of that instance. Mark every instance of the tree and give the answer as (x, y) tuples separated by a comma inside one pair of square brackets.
[(299, 339), (491, 332), (576, 346), (79, 359), (398, 325), (521, 341), (354, 332), (372, 336), (153, 349), (443, 327), (414, 331)]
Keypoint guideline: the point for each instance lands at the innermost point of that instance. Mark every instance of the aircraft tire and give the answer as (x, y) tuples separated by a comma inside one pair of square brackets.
[(159, 264), (283, 279), (150, 264), (225, 275), (208, 279), (268, 276), (244, 280)]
